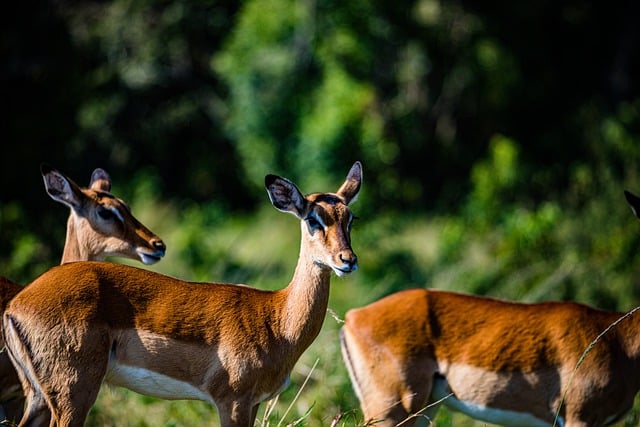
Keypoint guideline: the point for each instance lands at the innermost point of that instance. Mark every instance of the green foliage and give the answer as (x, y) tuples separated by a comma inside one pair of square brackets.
[(494, 182), (29, 256), (259, 53), (336, 110), (494, 162)]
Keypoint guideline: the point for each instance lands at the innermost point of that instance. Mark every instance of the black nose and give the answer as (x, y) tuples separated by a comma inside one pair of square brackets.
[(159, 245), (350, 259)]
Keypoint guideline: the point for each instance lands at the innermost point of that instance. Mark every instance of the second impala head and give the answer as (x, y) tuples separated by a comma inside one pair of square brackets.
[(103, 224), (326, 219)]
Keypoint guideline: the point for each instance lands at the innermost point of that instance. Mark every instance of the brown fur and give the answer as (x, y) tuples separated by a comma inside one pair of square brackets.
[(229, 344), (395, 346)]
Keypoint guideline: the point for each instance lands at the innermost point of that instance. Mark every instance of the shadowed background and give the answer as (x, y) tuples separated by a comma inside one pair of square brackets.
[(496, 141)]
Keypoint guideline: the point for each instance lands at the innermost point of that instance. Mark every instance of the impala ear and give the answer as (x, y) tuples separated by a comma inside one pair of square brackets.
[(100, 180), (60, 188), (285, 196), (351, 187), (634, 202)]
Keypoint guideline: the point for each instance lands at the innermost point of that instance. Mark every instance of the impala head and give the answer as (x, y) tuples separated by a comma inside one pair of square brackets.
[(326, 218), (103, 224)]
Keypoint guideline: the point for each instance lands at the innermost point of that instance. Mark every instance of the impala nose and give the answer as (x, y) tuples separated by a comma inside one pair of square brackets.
[(159, 245), (350, 259)]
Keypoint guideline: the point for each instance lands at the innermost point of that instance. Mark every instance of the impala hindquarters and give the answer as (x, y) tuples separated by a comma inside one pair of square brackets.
[(501, 362)]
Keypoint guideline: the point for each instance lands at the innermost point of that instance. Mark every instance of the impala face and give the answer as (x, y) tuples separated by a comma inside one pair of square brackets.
[(106, 224), (325, 219), (328, 223), (117, 231)]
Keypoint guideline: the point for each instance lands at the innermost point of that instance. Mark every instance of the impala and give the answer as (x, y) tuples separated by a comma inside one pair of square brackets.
[(501, 362), (99, 225), (231, 345)]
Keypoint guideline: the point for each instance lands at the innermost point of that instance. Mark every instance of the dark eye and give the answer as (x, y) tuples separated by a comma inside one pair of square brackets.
[(313, 224), (106, 214)]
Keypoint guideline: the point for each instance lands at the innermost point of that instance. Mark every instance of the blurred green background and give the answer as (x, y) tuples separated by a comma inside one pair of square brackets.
[(496, 139)]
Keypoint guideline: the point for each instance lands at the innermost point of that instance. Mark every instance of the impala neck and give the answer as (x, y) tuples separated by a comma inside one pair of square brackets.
[(73, 250), (305, 300)]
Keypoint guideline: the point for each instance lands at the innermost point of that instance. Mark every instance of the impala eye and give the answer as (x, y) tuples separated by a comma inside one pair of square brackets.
[(106, 214), (313, 224)]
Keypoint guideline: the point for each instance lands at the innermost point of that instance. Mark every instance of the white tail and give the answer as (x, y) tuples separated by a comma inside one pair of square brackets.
[(99, 225), (231, 345), (501, 362)]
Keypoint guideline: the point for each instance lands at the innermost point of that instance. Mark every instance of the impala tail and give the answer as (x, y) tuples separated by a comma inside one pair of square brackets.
[(349, 363), (19, 352)]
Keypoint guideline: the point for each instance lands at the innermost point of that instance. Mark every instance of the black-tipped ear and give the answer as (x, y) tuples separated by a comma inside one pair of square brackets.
[(351, 187), (634, 202), (100, 180), (284, 195), (61, 188)]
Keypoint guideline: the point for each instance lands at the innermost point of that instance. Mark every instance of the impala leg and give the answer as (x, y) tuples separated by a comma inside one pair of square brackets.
[(71, 383), (392, 389), (36, 411), (70, 405), (237, 414), (413, 384), (575, 420), (72, 410), (396, 399), (254, 414), (71, 402)]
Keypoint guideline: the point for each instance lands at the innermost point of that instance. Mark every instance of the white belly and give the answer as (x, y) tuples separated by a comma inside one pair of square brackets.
[(153, 384), (441, 390)]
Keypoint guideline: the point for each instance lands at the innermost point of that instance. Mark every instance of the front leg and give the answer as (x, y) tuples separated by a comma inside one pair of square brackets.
[(237, 413)]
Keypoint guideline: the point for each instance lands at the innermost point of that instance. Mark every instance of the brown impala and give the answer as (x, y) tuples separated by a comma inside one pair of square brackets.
[(231, 345), (501, 362), (99, 225)]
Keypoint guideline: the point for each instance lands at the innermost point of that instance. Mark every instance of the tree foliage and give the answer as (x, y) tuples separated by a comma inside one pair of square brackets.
[(437, 98), (496, 138)]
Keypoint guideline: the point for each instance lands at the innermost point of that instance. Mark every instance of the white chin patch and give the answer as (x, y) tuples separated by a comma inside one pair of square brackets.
[(336, 270), (339, 272), (148, 259)]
